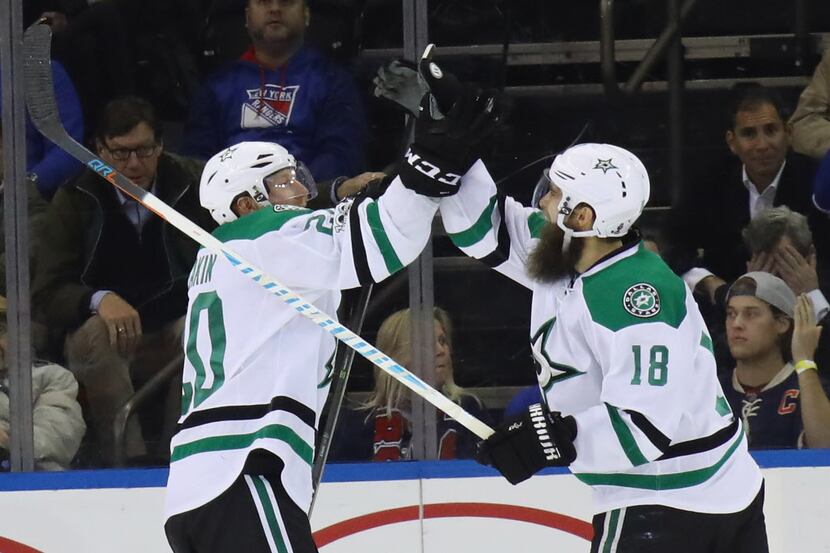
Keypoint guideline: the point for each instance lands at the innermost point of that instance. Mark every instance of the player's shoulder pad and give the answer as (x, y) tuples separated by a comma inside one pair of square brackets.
[(636, 290), (260, 222)]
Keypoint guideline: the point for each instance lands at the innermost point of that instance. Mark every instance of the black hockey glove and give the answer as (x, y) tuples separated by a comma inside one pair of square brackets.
[(454, 126), (523, 446)]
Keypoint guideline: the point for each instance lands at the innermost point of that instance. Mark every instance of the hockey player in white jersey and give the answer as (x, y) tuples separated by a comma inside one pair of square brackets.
[(256, 372), (631, 399), (632, 402)]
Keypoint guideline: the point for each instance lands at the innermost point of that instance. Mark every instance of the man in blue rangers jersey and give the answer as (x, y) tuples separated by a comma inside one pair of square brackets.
[(256, 372), (631, 399), (282, 90)]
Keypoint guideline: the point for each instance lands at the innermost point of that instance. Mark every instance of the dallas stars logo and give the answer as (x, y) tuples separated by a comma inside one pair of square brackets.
[(227, 154), (605, 164), (548, 372), (642, 300)]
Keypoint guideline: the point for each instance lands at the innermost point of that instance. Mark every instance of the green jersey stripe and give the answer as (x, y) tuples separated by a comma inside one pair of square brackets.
[(270, 516), (626, 438), (613, 520), (661, 481), (256, 224), (479, 230), (390, 258), (535, 223), (706, 342), (240, 441)]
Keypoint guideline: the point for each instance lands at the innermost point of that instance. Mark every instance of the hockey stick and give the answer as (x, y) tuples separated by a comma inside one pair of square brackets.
[(336, 395), (40, 99)]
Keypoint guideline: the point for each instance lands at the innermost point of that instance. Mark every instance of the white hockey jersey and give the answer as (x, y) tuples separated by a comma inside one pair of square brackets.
[(624, 350), (256, 372)]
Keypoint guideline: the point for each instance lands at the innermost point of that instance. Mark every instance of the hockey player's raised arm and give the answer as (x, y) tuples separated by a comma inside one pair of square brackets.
[(359, 241), (491, 227)]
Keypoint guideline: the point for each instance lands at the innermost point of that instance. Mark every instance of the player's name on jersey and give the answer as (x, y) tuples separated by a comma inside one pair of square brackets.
[(202, 270)]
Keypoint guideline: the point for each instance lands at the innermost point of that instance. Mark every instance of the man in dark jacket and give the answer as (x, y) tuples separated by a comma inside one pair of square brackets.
[(703, 235), (113, 276), (283, 91)]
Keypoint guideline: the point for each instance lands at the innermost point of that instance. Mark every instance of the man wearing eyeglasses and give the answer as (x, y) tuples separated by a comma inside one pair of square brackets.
[(111, 276)]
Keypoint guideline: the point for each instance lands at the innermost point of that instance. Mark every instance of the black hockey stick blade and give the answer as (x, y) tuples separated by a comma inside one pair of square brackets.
[(43, 110)]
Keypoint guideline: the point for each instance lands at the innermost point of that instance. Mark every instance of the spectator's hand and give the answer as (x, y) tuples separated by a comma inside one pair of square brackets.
[(709, 285), (797, 271), (355, 184), (806, 332), (761, 261), (4, 439), (56, 20), (123, 322), (400, 82)]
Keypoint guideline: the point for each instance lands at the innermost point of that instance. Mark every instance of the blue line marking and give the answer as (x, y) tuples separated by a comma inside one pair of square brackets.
[(344, 472)]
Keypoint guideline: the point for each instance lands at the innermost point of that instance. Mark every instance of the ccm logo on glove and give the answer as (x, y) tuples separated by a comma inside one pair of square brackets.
[(431, 170)]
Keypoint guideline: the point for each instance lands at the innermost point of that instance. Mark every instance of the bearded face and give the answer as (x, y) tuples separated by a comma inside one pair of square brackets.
[(547, 262)]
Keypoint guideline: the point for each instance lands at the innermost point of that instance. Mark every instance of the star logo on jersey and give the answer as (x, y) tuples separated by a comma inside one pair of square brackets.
[(548, 372), (642, 300), (227, 154), (605, 164)]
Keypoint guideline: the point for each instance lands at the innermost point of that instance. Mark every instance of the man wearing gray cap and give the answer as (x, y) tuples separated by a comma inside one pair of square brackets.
[(775, 387)]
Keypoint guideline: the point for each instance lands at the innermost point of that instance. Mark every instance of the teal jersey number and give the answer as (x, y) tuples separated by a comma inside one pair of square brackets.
[(196, 392), (658, 369)]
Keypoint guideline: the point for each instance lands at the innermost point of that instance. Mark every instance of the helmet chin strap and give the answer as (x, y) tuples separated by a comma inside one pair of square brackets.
[(565, 211), (566, 241)]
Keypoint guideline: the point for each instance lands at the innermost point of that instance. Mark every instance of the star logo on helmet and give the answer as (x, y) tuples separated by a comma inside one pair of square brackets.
[(227, 154), (605, 164)]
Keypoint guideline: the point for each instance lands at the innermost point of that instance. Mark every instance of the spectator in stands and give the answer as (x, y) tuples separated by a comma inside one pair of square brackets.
[(778, 241), (113, 276), (727, 199), (37, 208), (811, 121), (282, 90), (379, 429), (56, 414), (49, 166), (775, 387)]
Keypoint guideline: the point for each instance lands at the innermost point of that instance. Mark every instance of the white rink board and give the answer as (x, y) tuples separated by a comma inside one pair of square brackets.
[(429, 507)]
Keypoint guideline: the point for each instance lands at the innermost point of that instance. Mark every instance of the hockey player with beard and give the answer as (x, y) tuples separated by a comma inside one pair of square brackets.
[(256, 372), (631, 399)]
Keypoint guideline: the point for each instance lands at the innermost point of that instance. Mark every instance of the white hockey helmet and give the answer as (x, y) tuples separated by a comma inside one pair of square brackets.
[(610, 179), (244, 167)]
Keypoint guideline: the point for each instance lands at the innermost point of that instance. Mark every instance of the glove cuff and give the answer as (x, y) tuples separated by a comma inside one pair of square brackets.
[(428, 174)]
